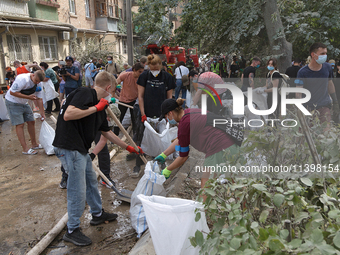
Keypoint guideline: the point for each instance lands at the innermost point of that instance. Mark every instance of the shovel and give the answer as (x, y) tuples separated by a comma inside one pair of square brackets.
[(125, 133), (124, 195)]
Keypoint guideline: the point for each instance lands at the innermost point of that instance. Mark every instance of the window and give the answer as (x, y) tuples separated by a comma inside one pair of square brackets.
[(87, 9), (124, 47), (19, 47), (48, 47), (111, 8), (121, 14), (100, 8), (72, 6)]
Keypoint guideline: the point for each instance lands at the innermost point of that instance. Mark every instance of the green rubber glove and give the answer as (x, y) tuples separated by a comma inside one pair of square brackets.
[(113, 100), (119, 86), (161, 158), (166, 173)]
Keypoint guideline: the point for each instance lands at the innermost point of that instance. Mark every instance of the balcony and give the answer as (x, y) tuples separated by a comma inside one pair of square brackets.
[(14, 8), (51, 3), (44, 9), (107, 24)]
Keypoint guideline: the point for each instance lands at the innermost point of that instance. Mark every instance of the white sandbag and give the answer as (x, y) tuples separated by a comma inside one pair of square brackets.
[(127, 119), (46, 137), (173, 135), (150, 184), (49, 91), (156, 141), (3, 109), (171, 222)]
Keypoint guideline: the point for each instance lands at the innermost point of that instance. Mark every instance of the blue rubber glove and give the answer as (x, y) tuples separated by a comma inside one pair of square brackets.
[(161, 158), (166, 173)]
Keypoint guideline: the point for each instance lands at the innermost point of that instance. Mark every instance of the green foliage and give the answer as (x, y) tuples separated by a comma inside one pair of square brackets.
[(238, 26), (287, 213), (152, 20), (271, 217)]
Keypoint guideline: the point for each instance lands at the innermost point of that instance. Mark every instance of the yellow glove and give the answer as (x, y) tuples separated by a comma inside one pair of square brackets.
[(166, 173)]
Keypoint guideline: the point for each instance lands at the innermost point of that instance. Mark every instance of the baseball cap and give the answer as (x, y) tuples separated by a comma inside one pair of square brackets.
[(168, 105), (69, 58)]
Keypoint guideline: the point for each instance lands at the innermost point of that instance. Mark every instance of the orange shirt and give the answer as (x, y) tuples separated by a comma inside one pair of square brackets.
[(22, 69), (129, 91)]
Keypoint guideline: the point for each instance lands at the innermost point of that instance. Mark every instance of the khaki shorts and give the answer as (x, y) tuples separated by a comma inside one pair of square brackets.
[(19, 113)]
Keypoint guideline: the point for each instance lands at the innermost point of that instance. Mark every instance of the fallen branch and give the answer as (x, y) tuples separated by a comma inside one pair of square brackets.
[(43, 243)]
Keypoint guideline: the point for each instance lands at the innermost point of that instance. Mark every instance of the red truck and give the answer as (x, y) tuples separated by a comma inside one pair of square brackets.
[(173, 54)]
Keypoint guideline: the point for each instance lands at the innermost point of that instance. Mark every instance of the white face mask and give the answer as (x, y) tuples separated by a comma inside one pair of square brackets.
[(108, 98), (155, 73)]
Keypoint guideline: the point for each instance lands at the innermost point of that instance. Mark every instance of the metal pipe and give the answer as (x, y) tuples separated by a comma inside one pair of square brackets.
[(3, 62)]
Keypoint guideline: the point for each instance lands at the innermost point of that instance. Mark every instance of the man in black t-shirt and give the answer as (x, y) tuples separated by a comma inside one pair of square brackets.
[(249, 74), (292, 71), (100, 64), (81, 117)]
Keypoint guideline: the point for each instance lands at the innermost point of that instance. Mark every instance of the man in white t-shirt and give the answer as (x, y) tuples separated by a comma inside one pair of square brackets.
[(179, 72), (23, 89)]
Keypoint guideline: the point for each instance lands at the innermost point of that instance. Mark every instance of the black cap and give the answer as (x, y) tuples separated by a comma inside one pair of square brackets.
[(69, 58), (168, 105)]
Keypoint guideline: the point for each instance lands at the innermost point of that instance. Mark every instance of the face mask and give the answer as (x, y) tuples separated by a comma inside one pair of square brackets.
[(322, 59), (94, 63), (215, 62), (257, 66), (110, 62), (195, 80), (332, 67), (155, 73), (172, 122), (270, 68), (108, 98)]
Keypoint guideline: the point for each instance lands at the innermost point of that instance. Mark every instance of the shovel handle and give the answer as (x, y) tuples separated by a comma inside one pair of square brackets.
[(126, 105), (125, 133)]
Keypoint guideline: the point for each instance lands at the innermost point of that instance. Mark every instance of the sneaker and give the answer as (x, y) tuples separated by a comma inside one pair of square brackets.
[(77, 238), (63, 183), (102, 218), (102, 182), (131, 156), (135, 172)]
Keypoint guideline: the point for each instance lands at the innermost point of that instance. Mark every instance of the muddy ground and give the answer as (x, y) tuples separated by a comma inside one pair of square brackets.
[(31, 202)]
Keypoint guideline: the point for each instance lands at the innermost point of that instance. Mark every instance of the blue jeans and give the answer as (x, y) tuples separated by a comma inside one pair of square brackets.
[(178, 90), (82, 185)]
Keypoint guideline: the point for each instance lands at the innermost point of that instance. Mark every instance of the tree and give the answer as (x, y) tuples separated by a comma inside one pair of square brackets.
[(94, 47), (280, 48), (152, 20)]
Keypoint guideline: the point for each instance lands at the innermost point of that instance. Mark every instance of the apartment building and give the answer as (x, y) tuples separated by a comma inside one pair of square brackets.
[(42, 30)]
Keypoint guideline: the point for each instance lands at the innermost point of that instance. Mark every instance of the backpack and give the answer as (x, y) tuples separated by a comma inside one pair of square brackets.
[(284, 83)]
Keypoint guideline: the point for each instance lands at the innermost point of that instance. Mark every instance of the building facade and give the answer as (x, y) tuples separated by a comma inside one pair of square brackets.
[(42, 30)]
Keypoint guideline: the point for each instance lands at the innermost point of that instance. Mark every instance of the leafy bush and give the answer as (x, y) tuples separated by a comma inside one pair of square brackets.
[(288, 213), (285, 216)]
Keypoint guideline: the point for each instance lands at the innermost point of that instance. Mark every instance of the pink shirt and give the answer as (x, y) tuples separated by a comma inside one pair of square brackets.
[(129, 91)]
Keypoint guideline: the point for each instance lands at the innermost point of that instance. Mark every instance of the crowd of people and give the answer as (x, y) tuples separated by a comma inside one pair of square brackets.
[(153, 92)]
